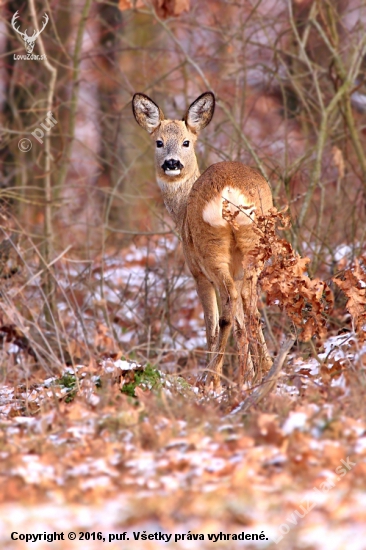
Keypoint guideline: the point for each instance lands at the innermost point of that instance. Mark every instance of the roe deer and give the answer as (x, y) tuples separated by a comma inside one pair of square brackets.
[(215, 250)]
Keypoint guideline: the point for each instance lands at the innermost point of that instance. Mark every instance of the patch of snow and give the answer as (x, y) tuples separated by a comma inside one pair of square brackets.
[(99, 481), (359, 101), (343, 251), (33, 471), (340, 382), (93, 399), (216, 464), (296, 421), (28, 420), (13, 348)]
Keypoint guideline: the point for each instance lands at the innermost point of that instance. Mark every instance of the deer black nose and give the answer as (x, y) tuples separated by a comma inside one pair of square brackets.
[(172, 164)]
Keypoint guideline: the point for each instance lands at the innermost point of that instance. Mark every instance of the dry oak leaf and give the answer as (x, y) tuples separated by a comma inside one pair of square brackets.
[(338, 160), (164, 8), (131, 4), (268, 429), (354, 287)]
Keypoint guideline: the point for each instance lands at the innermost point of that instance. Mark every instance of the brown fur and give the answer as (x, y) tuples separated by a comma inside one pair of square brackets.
[(215, 252)]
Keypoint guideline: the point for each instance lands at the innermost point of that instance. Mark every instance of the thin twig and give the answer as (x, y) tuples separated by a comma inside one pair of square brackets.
[(19, 290), (270, 380)]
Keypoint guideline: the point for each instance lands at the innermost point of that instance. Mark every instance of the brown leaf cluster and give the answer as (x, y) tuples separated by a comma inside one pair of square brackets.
[(230, 216), (284, 279), (353, 285), (164, 8)]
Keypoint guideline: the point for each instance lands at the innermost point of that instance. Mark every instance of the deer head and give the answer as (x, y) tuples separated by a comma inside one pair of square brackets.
[(29, 41), (175, 159)]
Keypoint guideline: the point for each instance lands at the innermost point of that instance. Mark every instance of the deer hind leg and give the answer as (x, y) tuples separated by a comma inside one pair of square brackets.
[(246, 368), (228, 299), (257, 345)]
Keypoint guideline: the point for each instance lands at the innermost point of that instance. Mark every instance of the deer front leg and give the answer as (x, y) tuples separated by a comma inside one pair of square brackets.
[(207, 295)]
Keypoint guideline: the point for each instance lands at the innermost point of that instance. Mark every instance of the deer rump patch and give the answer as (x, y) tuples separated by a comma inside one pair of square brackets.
[(212, 213)]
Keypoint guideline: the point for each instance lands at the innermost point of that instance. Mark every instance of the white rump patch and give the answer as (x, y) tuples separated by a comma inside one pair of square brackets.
[(212, 212)]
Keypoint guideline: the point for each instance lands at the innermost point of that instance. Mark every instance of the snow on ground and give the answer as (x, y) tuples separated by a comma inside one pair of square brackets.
[(90, 467)]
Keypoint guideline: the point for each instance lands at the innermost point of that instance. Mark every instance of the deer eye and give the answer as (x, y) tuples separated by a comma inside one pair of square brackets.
[(159, 144), (185, 143)]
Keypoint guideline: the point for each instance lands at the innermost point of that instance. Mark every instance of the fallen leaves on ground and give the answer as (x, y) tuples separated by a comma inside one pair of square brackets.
[(79, 455)]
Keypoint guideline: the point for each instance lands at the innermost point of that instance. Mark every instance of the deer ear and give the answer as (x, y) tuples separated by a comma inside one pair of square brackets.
[(200, 113), (147, 114)]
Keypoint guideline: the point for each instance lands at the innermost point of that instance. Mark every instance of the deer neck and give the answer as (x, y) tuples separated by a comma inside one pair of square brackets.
[(175, 195)]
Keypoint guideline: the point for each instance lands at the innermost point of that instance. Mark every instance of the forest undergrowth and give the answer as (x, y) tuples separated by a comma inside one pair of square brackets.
[(100, 410)]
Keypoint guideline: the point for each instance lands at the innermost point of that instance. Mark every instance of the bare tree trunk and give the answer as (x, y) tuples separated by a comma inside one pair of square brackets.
[(80, 166)]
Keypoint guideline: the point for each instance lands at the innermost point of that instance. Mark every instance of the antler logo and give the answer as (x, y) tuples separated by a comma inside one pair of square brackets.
[(29, 41)]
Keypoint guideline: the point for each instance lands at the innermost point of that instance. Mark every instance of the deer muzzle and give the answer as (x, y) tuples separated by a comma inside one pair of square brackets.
[(172, 167)]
